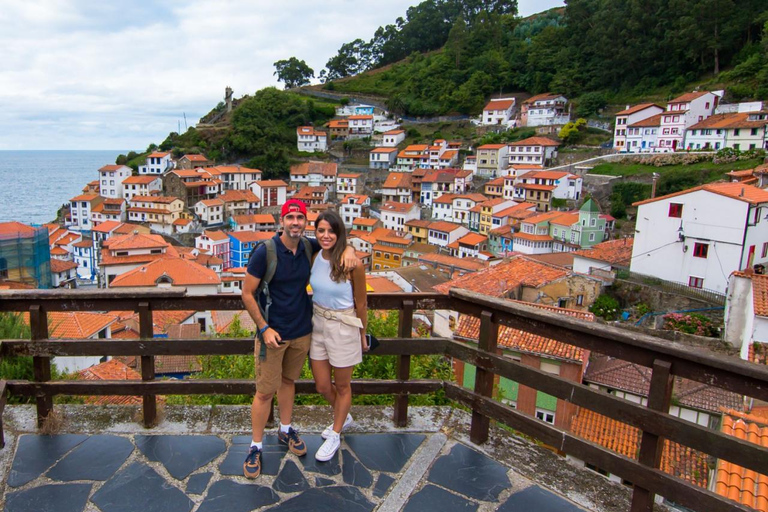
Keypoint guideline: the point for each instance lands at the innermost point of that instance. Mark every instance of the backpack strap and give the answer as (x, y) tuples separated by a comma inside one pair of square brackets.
[(269, 245), (308, 253)]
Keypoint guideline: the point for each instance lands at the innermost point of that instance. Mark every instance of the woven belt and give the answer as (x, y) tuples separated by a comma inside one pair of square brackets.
[(345, 316)]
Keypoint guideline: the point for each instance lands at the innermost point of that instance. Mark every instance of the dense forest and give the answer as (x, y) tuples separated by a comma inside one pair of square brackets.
[(590, 49)]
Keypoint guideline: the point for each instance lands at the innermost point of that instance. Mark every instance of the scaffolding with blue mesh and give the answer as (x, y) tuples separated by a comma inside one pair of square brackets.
[(25, 257)]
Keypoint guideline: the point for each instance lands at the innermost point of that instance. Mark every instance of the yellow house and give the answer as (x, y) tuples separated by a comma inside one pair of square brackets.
[(385, 256), (487, 209), (418, 229)]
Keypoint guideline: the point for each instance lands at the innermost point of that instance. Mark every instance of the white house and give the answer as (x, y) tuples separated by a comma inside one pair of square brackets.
[(141, 186), (630, 116), (742, 131), (171, 274), (122, 253), (158, 211), (699, 236), (566, 185), (470, 164), (360, 126), (355, 109), (492, 159), (314, 174), (643, 136), (210, 212), (682, 113), (310, 140), (471, 245), (215, 243), (442, 233), (253, 222), (111, 179), (348, 184), (394, 215), (397, 187), (746, 311), (270, 192), (353, 207), (498, 111), (392, 138), (545, 110), (80, 211), (83, 255), (157, 163), (532, 151), (412, 157), (382, 158), (63, 273), (233, 177), (462, 204)]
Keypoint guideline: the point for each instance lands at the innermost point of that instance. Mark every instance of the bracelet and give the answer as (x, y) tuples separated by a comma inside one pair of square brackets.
[(262, 331)]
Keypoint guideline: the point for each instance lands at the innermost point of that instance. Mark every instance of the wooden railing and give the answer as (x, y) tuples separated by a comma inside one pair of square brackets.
[(666, 360)]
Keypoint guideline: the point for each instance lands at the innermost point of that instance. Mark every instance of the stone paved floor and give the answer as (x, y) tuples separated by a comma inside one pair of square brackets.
[(121, 472)]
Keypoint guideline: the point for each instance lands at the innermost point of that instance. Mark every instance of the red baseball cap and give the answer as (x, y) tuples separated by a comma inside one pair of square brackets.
[(295, 206)]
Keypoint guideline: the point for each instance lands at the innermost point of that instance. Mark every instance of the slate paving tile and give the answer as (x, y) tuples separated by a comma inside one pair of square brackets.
[(96, 458), (470, 473), (290, 479), (435, 499), (382, 485), (323, 482), (49, 498), (233, 462), (229, 496), (269, 443), (181, 455), (536, 498), (330, 468), (353, 472), (384, 452), (139, 487), (35, 454), (197, 483), (327, 499)]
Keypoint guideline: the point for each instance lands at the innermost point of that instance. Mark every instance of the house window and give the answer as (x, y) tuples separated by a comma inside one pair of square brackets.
[(546, 416), (765, 250), (675, 210), (696, 282), (579, 300), (700, 250), (591, 237)]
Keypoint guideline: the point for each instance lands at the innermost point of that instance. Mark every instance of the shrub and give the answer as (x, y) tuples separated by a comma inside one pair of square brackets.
[(605, 307), (692, 323)]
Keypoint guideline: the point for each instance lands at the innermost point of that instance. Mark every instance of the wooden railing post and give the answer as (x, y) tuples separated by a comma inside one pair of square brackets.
[(403, 363), (488, 339), (651, 445), (146, 332), (3, 399), (38, 322)]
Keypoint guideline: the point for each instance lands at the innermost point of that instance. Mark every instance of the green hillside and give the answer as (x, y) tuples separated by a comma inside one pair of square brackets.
[(595, 51)]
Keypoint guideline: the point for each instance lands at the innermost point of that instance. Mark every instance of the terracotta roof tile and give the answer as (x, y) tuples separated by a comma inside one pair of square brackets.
[(138, 241), (222, 320), (499, 104), (500, 279), (326, 169), (76, 325), (181, 272), (535, 141), (734, 190), (111, 370), (615, 252), (648, 122), (397, 180), (735, 482), (637, 108), (61, 265), (397, 207)]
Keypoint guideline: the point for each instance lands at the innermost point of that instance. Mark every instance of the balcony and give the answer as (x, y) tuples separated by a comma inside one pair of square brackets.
[(472, 450)]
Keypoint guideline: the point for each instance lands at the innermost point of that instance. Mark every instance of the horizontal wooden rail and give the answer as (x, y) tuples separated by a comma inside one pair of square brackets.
[(703, 366), (685, 494), (681, 431), (203, 387), (181, 347)]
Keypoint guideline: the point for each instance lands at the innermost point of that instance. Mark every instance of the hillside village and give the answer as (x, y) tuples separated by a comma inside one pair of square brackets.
[(493, 218)]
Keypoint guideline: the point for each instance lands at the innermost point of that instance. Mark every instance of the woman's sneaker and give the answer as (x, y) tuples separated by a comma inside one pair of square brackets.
[(329, 447), (252, 464), (292, 440), (327, 432)]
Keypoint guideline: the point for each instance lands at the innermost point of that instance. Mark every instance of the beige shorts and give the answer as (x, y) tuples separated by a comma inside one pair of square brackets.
[(286, 360), (336, 342)]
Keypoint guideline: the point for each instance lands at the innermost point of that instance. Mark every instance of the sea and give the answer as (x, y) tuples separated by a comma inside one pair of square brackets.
[(34, 184)]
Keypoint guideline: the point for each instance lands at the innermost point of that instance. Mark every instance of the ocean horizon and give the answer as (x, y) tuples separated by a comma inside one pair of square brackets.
[(37, 182)]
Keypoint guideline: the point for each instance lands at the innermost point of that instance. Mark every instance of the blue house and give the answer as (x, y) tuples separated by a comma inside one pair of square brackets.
[(500, 240), (364, 110), (241, 243)]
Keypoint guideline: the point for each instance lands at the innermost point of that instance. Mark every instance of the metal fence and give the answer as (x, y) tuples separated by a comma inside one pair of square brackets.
[(711, 296)]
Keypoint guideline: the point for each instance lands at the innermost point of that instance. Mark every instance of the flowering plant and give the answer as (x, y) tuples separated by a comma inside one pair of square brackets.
[(691, 323)]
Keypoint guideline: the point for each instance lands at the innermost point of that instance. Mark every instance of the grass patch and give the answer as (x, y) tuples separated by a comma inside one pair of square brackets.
[(714, 171)]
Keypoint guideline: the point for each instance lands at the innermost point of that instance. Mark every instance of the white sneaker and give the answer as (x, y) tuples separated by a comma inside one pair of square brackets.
[(329, 429), (328, 448)]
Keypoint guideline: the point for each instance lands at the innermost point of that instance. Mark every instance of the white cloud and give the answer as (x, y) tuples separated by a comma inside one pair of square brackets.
[(80, 74)]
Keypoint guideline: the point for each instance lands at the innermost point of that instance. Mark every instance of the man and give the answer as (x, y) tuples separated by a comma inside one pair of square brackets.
[(287, 335)]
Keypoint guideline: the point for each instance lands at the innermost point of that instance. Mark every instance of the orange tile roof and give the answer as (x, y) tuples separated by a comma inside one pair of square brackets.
[(543, 217), (338, 123), (76, 325), (137, 241), (470, 264), (520, 207), (566, 219), (111, 167), (257, 218), (499, 104), (182, 273), (739, 191), (16, 229), (231, 196), (216, 235), (382, 285), (61, 265), (730, 120), (444, 226), (85, 197), (468, 327), (637, 108), (543, 96), (735, 482), (472, 239), (326, 169), (500, 279), (531, 237), (384, 150), (685, 98), (349, 175), (498, 182), (195, 158), (59, 251), (492, 146), (140, 180), (251, 236), (615, 252), (397, 180), (445, 199), (388, 249), (398, 207), (111, 370), (271, 183), (212, 202), (158, 154), (535, 141), (677, 460), (154, 199), (648, 122), (362, 117), (364, 221)]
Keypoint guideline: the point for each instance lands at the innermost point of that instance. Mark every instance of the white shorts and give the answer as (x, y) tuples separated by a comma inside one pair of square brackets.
[(336, 342)]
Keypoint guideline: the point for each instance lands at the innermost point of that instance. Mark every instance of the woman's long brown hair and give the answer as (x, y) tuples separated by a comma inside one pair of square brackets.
[(338, 274)]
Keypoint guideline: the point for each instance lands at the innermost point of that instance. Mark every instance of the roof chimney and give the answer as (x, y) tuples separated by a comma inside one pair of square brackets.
[(742, 192), (627, 107), (135, 231)]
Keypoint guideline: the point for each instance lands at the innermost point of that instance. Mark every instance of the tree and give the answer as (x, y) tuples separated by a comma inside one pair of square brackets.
[(293, 72)]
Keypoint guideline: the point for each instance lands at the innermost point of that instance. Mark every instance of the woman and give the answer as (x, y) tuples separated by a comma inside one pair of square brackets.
[(338, 326)]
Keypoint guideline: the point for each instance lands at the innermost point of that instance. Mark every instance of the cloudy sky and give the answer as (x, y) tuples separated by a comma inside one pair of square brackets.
[(90, 74)]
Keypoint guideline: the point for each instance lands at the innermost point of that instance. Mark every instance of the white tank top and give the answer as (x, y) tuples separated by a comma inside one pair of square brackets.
[(326, 292)]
